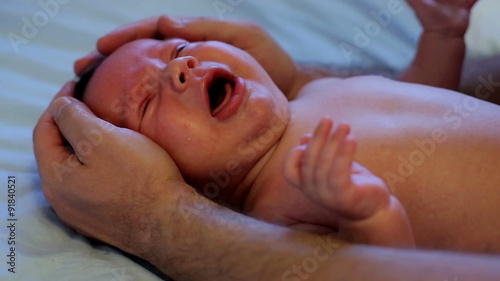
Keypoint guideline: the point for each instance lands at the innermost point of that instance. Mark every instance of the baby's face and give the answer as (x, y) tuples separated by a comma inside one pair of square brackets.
[(209, 104)]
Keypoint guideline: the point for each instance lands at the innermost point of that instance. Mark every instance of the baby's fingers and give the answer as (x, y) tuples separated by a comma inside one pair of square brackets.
[(422, 4), (291, 168), (467, 4), (330, 152), (306, 139), (341, 164), (313, 151)]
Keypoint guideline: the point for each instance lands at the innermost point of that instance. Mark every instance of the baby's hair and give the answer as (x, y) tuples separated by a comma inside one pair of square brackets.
[(83, 80)]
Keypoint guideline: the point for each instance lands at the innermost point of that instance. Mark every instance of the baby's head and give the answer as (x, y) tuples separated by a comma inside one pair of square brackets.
[(210, 105)]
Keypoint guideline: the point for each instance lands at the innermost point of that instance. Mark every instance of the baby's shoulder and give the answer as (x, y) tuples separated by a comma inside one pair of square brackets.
[(333, 85)]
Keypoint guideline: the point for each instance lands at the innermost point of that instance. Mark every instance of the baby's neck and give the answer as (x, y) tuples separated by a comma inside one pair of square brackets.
[(237, 198)]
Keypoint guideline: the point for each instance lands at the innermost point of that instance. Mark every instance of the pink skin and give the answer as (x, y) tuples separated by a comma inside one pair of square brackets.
[(322, 167), (159, 88)]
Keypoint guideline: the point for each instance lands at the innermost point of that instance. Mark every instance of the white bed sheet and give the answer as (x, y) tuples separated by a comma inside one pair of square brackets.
[(40, 39)]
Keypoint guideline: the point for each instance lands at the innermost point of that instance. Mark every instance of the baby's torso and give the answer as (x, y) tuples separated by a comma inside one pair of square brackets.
[(438, 151)]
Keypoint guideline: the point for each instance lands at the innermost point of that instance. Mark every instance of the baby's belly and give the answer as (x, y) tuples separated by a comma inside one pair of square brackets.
[(438, 152)]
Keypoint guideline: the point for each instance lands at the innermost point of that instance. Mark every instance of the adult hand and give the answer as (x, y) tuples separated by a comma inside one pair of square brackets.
[(242, 34), (110, 183)]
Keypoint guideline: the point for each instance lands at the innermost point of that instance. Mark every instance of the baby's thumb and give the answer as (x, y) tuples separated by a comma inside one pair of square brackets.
[(292, 165)]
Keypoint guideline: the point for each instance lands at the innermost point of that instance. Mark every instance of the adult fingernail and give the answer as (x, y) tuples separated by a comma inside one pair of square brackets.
[(58, 104)]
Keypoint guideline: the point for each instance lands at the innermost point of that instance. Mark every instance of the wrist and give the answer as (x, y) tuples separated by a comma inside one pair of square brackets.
[(157, 224), (177, 227), (452, 35), (438, 61)]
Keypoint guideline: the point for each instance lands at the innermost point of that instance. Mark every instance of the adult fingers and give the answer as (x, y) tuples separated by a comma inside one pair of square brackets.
[(79, 126), (238, 33), (234, 32), (146, 28), (50, 146), (84, 63), (48, 142)]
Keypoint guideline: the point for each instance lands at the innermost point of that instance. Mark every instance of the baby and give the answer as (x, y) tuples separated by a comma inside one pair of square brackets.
[(231, 130)]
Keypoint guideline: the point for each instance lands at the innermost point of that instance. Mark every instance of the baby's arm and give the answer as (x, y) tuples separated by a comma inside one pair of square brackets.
[(323, 168), (441, 49)]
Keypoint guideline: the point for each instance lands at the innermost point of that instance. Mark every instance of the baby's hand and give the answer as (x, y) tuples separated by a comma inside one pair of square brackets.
[(447, 17), (323, 168)]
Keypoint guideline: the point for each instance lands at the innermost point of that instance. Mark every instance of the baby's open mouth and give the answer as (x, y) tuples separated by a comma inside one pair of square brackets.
[(220, 91), (224, 92)]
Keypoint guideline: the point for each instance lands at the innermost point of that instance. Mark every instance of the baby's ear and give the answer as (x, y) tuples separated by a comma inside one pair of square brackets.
[(83, 64)]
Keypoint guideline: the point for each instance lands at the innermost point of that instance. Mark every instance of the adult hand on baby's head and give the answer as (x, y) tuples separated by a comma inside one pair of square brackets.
[(114, 182), (242, 34), (81, 65)]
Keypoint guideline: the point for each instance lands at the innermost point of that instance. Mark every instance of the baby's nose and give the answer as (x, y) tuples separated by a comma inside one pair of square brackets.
[(180, 70)]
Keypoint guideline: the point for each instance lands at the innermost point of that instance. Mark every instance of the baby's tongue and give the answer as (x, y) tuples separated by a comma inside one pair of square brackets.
[(223, 93), (228, 87)]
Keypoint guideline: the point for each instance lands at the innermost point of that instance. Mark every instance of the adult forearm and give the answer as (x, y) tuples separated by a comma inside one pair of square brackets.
[(199, 240), (438, 62), (204, 241), (360, 262)]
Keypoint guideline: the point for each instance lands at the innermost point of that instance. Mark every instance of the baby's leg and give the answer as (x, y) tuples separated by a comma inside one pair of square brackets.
[(323, 168)]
